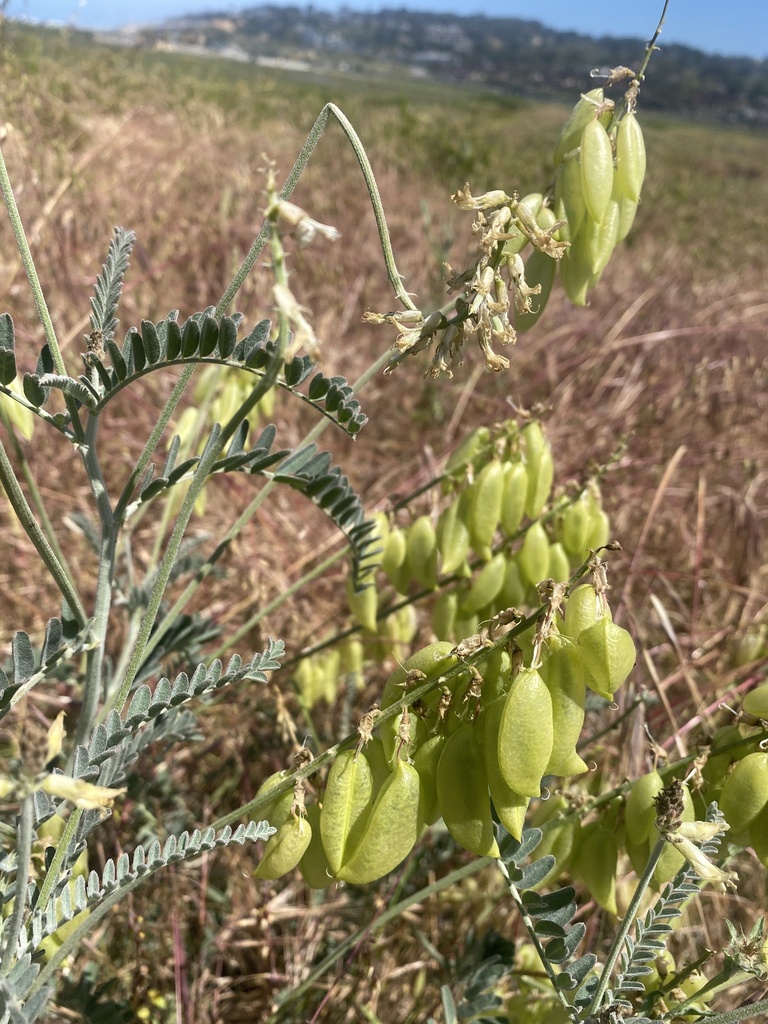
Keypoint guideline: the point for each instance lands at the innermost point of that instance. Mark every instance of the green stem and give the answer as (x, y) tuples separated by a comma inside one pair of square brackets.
[(626, 923), (53, 873), (23, 853), (290, 184), (154, 439), (34, 490), (751, 1012), (165, 568), (31, 527), (29, 266)]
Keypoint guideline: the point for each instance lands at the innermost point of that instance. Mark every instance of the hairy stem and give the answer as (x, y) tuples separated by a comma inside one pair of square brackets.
[(12, 927)]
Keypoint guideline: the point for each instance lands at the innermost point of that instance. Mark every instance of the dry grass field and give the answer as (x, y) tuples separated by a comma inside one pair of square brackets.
[(667, 366)]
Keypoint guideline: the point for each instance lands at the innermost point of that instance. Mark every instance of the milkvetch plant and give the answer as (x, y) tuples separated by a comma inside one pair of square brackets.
[(507, 583)]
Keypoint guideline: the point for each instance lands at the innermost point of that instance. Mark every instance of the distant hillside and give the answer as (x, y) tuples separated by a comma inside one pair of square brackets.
[(508, 54)]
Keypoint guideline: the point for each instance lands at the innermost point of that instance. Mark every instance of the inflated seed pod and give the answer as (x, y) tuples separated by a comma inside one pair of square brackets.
[(513, 497), (486, 585), (395, 560), (595, 865), (600, 529), (314, 866), (608, 654), (526, 733), (539, 270), (576, 273), (600, 238), (745, 793), (583, 609), (758, 836), (422, 552), (466, 625), (346, 806), (433, 660), (596, 169), (485, 509), (570, 196), (563, 674), (444, 615), (630, 157), (453, 541), (425, 761), (462, 793), (756, 701), (716, 767), (495, 667), (465, 452), (559, 564), (627, 213), (512, 593), (640, 810), (363, 604), (533, 557), (582, 113), (279, 809), (539, 467), (510, 806), (392, 829), (751, 647), (284, 849)]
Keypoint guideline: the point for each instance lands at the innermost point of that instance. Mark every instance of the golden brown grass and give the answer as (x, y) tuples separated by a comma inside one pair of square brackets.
[(670, 356)]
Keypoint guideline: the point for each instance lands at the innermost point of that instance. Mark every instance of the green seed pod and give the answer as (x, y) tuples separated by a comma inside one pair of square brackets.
[(510, 806), (756, 701), (393, 560), (627, 213), (576, 273), (745, 793), (596, 169), (539, 270), (346, 806), (539, 467), (444, 615), (495, 667), (392, 831), (513, 591), (600, 239), (485, 509), (558, 838), (568, 193), (314, 866), (751, 647), (533, 556), (462, 793), (425, 761), (278, 810), (466, 626), (640, 810), (453, 539), (563, 674), (583, 609), (559, 564), (582, 113), (600, 529), (630, 157), (595, 865), (513, 497), (575, 525), (285, 849), (465, 453), (485, 586), (433, 660), (526, 733), (758, 836), (608, 653), (422, 552), (363, 605)]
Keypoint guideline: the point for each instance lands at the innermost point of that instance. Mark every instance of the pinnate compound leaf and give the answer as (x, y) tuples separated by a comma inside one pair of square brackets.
[(109, 283)]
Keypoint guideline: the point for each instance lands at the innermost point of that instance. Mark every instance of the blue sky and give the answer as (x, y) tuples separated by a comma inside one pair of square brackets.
[(738, 27)]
